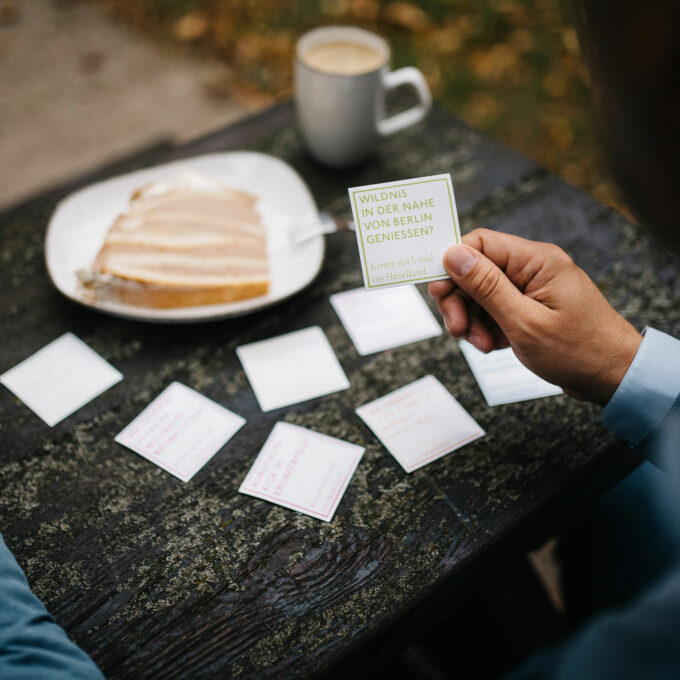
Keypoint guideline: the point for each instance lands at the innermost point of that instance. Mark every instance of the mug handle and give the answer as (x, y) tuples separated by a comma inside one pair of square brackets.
[(409, 75)]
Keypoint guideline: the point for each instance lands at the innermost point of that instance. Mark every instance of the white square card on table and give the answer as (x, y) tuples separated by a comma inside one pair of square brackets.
[(420, 422), (302, 470), (403, 229), (60, 378), (386, 318), (180, 430), (502, 378), (291, 368)]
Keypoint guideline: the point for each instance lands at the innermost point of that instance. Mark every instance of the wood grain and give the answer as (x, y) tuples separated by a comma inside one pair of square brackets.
[(156, 578)]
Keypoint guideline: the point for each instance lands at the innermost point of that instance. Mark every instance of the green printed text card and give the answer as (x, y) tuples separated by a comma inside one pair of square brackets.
[(403, 229)]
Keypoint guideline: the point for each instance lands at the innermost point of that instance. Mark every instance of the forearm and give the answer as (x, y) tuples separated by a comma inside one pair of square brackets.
[(32, 645)]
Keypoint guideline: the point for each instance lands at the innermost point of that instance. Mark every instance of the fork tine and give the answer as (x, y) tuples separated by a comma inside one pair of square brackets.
[(308, 220), (315, 224)]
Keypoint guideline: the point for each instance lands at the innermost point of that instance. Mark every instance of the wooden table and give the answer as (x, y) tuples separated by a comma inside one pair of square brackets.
[(157, 578)]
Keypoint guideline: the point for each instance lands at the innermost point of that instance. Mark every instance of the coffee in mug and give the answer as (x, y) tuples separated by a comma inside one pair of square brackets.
[(343, 58), (341, 76)]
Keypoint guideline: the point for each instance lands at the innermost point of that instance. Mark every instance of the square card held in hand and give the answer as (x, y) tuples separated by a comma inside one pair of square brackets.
[(403, 229)]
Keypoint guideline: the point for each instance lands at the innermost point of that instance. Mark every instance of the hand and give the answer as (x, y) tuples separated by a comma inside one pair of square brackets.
[(508, 291)]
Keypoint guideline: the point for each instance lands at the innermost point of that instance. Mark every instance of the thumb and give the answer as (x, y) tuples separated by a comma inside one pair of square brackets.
[(484, 282)]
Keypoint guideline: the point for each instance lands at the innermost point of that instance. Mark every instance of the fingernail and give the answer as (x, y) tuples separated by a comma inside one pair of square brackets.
[(460, 260)]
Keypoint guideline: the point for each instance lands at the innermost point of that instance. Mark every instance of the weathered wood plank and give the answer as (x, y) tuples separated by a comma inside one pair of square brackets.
[(155, 578)]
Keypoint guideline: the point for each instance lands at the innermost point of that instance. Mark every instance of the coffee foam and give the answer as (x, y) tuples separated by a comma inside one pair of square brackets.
[(343, 57)]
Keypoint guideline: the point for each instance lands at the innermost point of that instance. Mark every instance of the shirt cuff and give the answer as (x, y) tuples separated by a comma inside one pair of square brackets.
[(648, 390)]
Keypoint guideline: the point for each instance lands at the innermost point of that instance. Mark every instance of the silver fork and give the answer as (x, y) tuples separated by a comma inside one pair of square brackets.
[(315, 225)]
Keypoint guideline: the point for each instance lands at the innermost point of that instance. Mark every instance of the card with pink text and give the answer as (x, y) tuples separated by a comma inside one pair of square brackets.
[(180, 430), (302, 470), (420, 422)]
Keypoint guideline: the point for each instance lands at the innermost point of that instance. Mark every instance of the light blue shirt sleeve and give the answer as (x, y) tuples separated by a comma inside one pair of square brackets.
[(648, 390)]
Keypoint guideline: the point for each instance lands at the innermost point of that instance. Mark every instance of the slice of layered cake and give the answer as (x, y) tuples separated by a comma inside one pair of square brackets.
[(192, 243)]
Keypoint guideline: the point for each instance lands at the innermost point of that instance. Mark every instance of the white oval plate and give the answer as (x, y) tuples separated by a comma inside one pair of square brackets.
[(79, 224)]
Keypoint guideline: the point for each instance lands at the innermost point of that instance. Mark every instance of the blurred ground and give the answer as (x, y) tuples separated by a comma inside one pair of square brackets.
[(94, 79), (78, 89), (509, 67)]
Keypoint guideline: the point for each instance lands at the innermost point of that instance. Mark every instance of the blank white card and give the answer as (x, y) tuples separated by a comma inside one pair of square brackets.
[(502, 378), (385, 318), (292, 368), (60, 378)]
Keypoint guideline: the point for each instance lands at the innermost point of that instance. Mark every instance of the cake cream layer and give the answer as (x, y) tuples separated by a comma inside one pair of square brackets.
[(166, 238), (204, 267), (182, 247)]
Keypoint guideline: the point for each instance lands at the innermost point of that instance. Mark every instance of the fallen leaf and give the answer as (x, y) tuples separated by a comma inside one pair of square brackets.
[(494, 63), (560, 133), (366, 10), (335, 8), (521, 40), (407, 16), (446, 40), (555, 83), (190, 27), (570, 41)]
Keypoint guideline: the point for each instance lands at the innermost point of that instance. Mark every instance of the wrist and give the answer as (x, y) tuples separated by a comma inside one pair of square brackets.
[(648, 390), (622, 354)]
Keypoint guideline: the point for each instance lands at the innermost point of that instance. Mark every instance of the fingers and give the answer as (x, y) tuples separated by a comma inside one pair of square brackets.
[(485, 283), (465, 319), (526, 263), (438, 289), (519, 258), (481, 336), (501, 248), (504, 250), (508, 291), (499, 285), (454, 311)]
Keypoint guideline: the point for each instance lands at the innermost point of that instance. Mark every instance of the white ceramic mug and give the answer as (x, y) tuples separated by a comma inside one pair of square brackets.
[(341, 115)]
